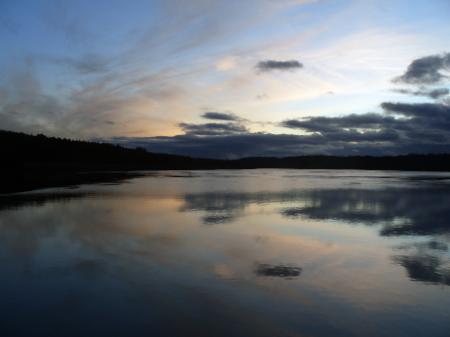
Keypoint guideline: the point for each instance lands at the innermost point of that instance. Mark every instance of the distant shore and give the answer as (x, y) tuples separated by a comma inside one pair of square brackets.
[(34, 162)]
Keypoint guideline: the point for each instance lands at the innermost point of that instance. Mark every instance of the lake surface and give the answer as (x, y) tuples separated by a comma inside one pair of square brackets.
[(230, 253)]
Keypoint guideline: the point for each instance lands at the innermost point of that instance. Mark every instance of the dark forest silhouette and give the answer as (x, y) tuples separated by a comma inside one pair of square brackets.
[(30, 162)]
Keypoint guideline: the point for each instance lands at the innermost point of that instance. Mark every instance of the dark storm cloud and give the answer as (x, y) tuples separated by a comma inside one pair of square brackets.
[(269, 65), (226, 146), (426, 70), (412, 122), (260, 144), (221, 116), (427, 112), (400, 129), (434, 93), (333, 124), (346, 128), (212, 129)]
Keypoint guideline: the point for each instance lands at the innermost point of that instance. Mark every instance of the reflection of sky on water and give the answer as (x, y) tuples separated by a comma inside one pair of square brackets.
[(245, 253)]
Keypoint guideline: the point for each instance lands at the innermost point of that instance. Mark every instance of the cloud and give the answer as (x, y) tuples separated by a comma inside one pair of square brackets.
[(218, 146), (25, 107), (426, 112), (426, 70), (333, 124), (403, 119), (404, 125), (133, 72), (221, 116), (270, 65), (400, 129), (434, 93), (84, 109), (263, 144), (212, 129)]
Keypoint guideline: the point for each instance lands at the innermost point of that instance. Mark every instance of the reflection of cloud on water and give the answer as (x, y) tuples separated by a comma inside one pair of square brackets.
[(279, 270), (425, 268), (427, 262), (400, 211), (216, 219), (433, 245), (104, 227), (225, 207), (412, 211)]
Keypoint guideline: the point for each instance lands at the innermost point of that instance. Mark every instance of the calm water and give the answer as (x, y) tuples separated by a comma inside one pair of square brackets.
[(230, 253)]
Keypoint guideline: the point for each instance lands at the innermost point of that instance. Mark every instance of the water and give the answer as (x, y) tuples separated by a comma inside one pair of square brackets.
[(230, 253)]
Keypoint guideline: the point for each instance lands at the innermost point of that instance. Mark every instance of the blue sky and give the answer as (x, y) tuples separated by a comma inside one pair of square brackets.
[(132, 69)]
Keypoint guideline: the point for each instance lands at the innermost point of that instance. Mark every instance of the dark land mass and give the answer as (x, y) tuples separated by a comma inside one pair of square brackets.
[(31, 162)]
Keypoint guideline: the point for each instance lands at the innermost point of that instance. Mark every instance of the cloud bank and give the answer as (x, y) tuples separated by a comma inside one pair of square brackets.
[(212, 129), (400, 129)]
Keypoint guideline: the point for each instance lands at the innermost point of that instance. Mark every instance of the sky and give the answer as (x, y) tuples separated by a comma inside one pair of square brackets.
[(227, 79)]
